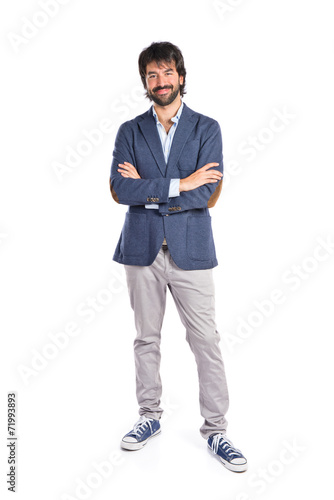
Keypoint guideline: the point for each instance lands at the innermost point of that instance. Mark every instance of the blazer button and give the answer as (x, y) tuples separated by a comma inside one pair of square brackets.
[(148, 199), (157, 199), (170, 209), (178, 208)]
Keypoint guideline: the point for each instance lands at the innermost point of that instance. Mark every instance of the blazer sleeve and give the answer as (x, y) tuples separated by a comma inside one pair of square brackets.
[(133, 191), (204, 196)]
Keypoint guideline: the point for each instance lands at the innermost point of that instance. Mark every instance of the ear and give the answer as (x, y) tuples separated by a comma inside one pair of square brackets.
[(181, 80)]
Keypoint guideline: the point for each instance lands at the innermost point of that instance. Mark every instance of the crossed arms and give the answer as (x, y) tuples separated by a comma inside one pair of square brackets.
[(201, 189), (200, 177)]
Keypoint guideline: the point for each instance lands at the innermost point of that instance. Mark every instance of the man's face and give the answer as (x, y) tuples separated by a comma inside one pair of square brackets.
[(163, 82)]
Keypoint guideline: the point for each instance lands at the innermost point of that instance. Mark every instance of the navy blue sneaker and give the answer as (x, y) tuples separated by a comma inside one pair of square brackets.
[(223, 448), (142, 431)]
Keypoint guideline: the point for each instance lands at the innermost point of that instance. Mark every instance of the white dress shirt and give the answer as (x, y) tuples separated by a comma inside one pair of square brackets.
[(166, 142)]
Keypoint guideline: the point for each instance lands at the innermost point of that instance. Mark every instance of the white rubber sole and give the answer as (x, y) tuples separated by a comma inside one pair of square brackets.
[(228, 465), (138, 446)]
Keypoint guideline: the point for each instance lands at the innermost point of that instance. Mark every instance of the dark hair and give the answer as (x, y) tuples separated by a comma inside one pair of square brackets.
[(162, 52)]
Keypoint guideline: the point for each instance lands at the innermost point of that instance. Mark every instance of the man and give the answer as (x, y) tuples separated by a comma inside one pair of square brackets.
[(168, 167)]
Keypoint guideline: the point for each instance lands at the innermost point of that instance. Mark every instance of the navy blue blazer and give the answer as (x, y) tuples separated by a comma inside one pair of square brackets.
[(185, 220)]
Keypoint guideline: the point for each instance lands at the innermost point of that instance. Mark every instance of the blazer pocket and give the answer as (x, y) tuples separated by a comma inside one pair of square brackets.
[(134, 235), (188, 158), (200, 244)]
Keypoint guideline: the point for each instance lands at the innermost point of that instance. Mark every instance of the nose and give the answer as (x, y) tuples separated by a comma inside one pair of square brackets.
[(161, 81)]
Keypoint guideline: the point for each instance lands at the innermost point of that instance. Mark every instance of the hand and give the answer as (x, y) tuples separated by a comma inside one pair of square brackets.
[(200, 177), (128, 170)]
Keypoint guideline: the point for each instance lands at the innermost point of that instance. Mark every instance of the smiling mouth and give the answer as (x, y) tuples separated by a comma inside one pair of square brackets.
[(162, 92)]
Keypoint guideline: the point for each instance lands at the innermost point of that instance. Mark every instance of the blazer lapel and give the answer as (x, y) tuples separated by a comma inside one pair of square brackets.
[(185, 126), (183, 130), (149, 130)]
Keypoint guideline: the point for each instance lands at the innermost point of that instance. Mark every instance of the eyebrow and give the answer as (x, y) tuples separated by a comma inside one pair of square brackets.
[(165, 71)]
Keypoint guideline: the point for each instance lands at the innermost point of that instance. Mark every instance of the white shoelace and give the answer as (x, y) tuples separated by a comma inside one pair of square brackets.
[(142, 425), (228, 447)]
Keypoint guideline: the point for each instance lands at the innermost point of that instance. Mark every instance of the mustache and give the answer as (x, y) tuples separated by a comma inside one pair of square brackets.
[(162, 88)]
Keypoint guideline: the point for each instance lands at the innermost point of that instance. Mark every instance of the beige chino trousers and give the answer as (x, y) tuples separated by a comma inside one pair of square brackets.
[(193, 294)]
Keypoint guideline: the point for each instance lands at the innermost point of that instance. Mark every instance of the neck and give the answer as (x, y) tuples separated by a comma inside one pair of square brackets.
[(165, 113)]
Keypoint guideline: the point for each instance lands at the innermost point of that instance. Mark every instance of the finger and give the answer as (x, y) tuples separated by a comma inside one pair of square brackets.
[(128, 175), (125, 167), (213, 173), (128, 170), (213, 180), (209, 165)]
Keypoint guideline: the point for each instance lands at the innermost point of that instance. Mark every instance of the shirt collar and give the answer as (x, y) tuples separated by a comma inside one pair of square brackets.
[(175, 118)]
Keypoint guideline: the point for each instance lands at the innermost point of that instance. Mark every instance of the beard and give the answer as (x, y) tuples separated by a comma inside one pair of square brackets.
[(164, 100)]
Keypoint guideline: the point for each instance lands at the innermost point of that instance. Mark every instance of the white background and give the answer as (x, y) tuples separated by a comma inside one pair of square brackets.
[(246, 61)]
